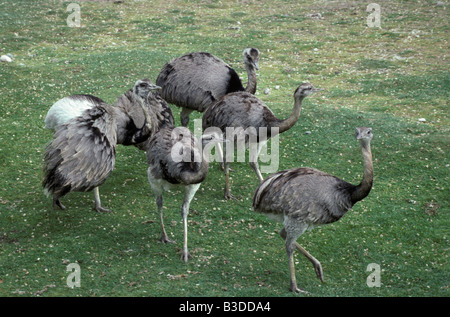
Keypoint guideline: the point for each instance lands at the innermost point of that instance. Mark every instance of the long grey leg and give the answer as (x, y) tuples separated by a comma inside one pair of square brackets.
[(164, 237), (189, 193), (98, 203), (220, 151), (226, 165), (291, 245), (254, 161)]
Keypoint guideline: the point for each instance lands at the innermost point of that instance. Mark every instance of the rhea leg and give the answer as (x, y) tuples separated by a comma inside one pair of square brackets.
[(291, 245), (226, 165), (184, 116), (189, 193), (221, 157), (164, 237), (157, 189), (254, 160), (56, 202), (98, 204), (292, 280)]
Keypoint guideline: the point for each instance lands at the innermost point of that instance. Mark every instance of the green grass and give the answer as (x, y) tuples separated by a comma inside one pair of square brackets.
[(402, 225)]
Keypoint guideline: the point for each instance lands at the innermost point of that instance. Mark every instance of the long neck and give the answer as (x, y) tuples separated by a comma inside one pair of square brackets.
[(363, 189), (251, 75), (143, 103), (204, 164), (288, 123)]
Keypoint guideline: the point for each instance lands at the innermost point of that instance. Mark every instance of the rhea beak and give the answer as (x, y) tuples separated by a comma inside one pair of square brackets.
[(256, 65), (154, 87), (317, 89)]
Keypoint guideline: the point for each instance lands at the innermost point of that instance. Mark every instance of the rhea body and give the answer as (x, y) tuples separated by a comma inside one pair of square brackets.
[(81, 155), (176, 158), (302, 198), (194, 81), (249, 115)]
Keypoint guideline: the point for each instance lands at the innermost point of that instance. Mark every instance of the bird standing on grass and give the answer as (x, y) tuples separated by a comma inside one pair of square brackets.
[(81, 155), (302, 198), (175, 158), (196, 80), (242, 110)]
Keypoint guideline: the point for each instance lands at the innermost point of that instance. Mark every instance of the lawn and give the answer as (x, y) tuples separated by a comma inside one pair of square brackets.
[(393, 78)]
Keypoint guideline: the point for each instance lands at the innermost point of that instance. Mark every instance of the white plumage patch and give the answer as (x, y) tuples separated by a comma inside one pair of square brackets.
[(64, 110)]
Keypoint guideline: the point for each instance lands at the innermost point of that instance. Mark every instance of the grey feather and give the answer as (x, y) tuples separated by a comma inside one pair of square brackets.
[(196, 80), (188, 168), (244, 110), (158, 109), (302, 198), (175, 157), (81, 155)]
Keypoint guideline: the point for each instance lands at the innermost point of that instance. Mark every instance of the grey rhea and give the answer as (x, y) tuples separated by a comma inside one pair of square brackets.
[(247, 114), (81, 155), (157, 109), (302, 198), (196, 80), (174, 157)]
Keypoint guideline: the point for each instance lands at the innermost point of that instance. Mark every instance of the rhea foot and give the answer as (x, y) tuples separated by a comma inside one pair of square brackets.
[(56, 202), (319, 271), (295, 289), (185, 256), (230, 196), (165, 238), (102, 209)]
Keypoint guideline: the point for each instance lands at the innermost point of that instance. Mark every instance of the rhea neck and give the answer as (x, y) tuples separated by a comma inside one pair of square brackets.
[(363, 189), (251, 76), (288, 123), (197, 175), (143, 103)]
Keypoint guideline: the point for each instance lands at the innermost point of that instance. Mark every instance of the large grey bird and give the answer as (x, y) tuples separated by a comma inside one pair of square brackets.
[(175, 158), (302, 198), (158, 110), (196, 80), (81, 155), (247, 114)]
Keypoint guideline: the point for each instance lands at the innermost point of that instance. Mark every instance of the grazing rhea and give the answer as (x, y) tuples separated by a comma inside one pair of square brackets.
[(196, 80), (302, 198), (242, 111), (81, 155), (175, 158)]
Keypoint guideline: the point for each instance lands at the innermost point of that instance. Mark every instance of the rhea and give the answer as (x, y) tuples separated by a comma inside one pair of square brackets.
[(176, 158), (196, 80), (302, 198), (157, 109), (81, 155), (244, 111)]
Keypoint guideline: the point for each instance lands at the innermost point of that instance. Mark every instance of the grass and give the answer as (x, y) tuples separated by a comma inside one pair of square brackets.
[(385, 78)]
